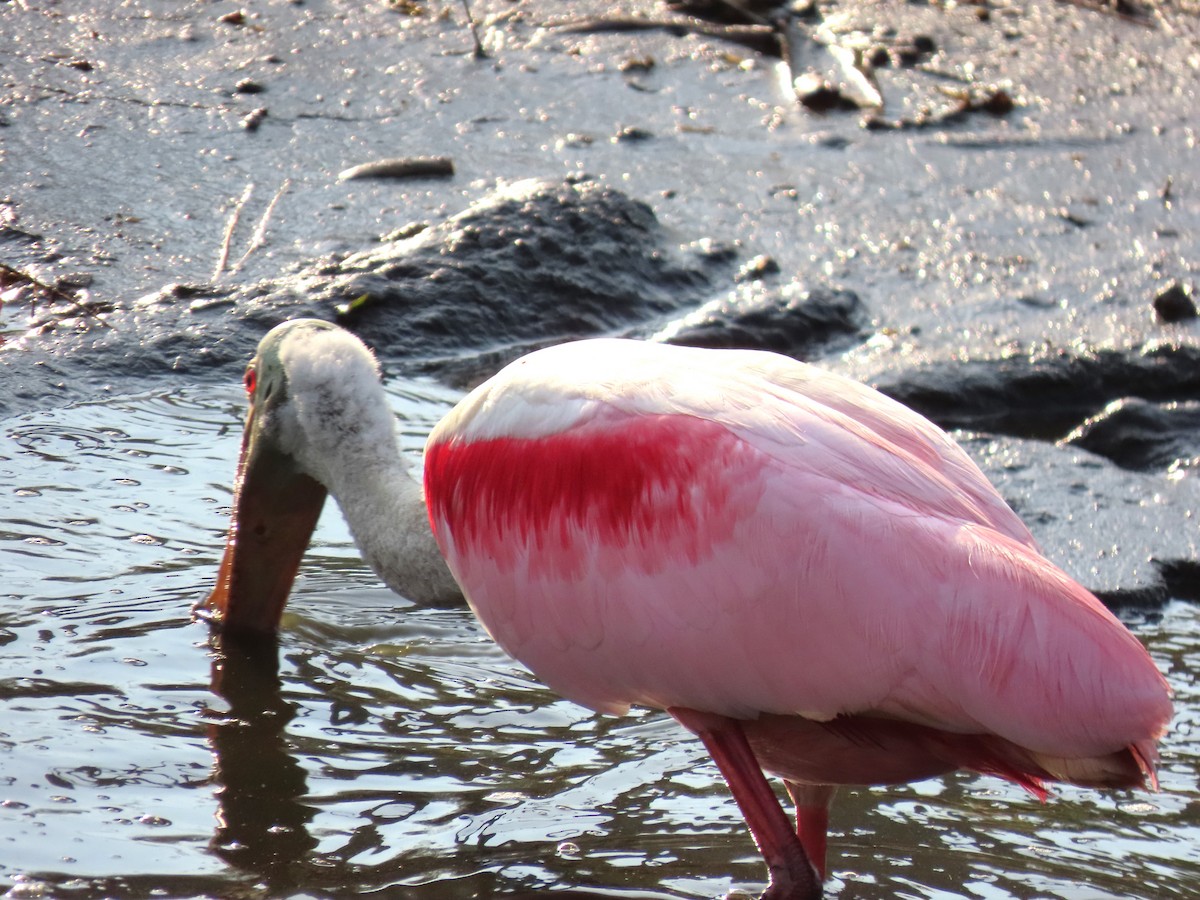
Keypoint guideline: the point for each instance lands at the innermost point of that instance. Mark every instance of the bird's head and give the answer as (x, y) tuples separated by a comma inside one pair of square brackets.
[(277, 499)]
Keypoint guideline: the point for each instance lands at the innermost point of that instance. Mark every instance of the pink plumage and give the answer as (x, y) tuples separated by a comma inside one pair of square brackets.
[(782, 558)]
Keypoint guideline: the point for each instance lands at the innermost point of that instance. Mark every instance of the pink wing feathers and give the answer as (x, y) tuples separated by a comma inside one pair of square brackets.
[(740, 533)]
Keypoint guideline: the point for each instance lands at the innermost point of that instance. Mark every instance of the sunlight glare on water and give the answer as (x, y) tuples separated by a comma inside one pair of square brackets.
[(393, 746)]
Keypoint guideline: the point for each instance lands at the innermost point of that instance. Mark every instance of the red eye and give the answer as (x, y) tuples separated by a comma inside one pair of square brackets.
[(251, 380)]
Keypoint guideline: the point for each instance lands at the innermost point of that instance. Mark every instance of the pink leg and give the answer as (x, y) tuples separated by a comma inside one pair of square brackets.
[(791, 873), (812, 818)]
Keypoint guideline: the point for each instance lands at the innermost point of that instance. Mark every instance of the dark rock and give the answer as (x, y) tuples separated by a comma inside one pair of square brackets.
[(1174, 304), (1182, 577), (1045, 395), (729, 12), (1137, 434), (790, 320), (73, 280), (907, 55)]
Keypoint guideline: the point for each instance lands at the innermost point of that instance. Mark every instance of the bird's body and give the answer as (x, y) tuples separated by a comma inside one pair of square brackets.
[(742, 535), (812, 578)]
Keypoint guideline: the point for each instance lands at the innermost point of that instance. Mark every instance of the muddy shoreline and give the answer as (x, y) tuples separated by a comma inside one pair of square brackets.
[(986, 238)]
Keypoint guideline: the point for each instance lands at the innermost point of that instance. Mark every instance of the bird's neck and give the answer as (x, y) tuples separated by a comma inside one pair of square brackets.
[(385, 508)]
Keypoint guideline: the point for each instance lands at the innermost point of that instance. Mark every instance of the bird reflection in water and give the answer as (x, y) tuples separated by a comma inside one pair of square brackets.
[(262, 825)]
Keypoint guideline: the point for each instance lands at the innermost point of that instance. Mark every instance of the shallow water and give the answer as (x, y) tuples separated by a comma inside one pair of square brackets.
[(395, 747)]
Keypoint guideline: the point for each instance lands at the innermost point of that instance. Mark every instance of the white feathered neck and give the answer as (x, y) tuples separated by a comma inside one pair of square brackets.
[(337, 424)]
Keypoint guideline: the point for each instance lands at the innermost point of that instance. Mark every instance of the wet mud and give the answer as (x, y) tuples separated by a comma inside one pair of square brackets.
[(529, 264)]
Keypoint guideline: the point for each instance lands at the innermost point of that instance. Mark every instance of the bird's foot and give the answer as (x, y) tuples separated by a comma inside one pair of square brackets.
[(792, 878), (784, 886)]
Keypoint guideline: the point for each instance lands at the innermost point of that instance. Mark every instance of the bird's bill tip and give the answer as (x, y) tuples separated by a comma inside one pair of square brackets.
[(246, 600)]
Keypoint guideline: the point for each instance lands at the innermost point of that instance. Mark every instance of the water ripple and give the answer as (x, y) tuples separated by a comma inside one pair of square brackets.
[(394, 748)]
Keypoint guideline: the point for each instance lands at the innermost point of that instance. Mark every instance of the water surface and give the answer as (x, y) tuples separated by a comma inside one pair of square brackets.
[(393, 747)]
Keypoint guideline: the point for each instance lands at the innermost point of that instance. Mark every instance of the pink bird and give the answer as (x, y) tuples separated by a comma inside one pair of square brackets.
[(812, 578)]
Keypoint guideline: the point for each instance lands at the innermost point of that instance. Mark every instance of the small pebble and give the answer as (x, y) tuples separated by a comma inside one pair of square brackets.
[(574, 140), (631, 133), (1175, 304), (879, 57), (757, 268), (805, 9), (639, 64), (998, 102), (253, 119)]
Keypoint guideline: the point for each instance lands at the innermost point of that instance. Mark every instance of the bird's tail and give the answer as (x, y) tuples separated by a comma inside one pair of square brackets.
[(1130, 767)]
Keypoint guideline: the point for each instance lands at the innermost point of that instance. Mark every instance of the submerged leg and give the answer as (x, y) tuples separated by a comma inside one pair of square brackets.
[(792, 874), (812, 818)]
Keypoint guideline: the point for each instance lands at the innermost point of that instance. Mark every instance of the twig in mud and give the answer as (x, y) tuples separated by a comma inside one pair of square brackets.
[(223, 259), (722, 11), (762, 38), (479, 52), (10, 276), (401, 167), (260, 230), (994, 101), (1122, 9)]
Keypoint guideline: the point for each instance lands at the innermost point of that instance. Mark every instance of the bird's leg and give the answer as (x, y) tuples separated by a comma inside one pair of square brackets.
[(792, 874), (812, 818)]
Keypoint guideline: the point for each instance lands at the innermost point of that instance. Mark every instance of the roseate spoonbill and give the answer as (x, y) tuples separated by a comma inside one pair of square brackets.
[(809, 576), (812, 578)]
